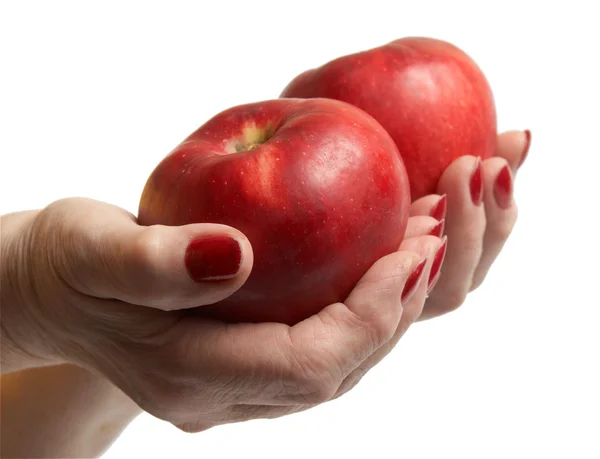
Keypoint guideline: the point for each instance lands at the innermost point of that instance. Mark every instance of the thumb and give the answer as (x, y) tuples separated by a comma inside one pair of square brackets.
[(104, 253)]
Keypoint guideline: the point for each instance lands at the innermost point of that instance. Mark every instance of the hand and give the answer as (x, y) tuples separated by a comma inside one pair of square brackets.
[(94, 288), (481, 214)]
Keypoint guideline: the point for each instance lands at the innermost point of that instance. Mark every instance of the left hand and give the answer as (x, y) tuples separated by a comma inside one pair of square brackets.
[(90, 286), (476, 199)]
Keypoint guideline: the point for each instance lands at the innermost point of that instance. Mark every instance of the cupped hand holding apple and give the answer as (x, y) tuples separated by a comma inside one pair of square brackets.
[(322, 192), (317, 197), (97, 289)]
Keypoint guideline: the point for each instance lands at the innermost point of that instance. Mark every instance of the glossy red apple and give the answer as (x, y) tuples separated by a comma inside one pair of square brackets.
[(429, 95), (317, 186)]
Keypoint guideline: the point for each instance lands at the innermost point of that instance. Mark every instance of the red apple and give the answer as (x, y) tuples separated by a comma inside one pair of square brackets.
[(317, 186), (429, 95)]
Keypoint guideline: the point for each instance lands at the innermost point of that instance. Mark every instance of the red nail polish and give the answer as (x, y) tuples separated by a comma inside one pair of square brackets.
[(435, 272), (439, 210), (527, 133), (503, 188), (476, 184), (213, 258), (413, 281), (438, 229)]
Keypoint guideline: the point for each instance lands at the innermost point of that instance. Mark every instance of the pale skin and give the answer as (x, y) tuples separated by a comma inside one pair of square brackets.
[(93, 330)]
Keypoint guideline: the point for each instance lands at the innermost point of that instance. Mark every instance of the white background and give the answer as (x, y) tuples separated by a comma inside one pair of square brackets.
[(94, 94)]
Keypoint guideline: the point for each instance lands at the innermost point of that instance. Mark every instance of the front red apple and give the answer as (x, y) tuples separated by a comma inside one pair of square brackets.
[(429, 95), (317, 186)]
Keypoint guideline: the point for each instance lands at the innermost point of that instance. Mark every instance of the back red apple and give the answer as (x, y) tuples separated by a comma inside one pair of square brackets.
[(429, 95)]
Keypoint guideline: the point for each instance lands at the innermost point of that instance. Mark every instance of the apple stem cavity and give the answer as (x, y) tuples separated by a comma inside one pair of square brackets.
[(253, 137), (240, 147)]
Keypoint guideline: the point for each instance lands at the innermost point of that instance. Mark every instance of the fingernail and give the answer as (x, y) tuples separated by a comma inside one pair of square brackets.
[(503, 188), (476, 184), (438, 259), (413, 281), (438, 229), (439, 210), (213, 258), (527, 134)]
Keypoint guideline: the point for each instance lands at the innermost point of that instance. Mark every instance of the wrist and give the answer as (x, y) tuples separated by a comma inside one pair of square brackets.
[(20, 334), (69, 410)]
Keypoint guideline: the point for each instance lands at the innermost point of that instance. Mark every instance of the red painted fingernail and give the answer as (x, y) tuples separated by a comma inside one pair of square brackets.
[(438, 229), (435, 272), (413, 281), (476, 184), (213, 258), (439, 210), (527, 134), (503, 188)]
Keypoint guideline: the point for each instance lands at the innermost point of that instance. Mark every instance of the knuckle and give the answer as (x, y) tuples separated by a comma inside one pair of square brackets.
[(318, 374), (382, 330), (315, 383), (318, 392), (67, 214), (378, 329), (146, 249), (61, 206), (351, 382), (381, 325), (144, 259), (53, 220), (382, 320), (57, 238)]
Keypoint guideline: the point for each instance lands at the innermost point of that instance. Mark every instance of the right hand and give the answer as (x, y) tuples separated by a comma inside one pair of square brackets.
[(92, 287)]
